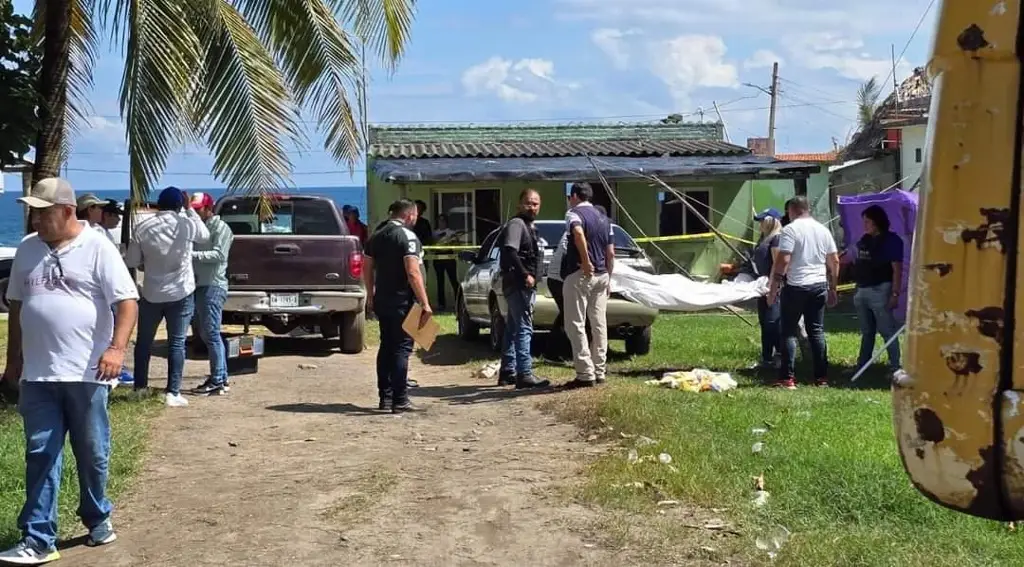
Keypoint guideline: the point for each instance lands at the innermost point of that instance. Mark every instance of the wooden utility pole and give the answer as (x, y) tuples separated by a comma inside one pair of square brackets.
[(771, 112)]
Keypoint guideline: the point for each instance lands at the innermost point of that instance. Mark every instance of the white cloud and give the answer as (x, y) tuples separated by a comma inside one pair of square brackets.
[(613, 43), (523, 81), (689, 62), (103, 129), (762, 58), (841, 53)]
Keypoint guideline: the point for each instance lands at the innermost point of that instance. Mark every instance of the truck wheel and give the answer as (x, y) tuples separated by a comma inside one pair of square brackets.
[(468, 330), (639, 343), (497, 328), (351, 329), (4, 306)]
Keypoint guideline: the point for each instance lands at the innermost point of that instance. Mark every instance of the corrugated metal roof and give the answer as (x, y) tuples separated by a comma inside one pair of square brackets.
[(580, 168), (569, 148)]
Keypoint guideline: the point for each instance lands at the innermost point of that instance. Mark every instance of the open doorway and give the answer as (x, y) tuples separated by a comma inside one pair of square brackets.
[(472, 214)]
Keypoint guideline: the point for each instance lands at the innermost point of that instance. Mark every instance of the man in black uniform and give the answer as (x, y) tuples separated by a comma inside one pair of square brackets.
[(394, 279), (520, 270)]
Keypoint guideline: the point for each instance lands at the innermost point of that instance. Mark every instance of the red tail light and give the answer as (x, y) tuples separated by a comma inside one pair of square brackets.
[(355, 265)]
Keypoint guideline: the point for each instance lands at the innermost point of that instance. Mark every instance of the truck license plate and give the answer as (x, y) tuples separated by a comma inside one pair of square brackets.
[(284, 300)]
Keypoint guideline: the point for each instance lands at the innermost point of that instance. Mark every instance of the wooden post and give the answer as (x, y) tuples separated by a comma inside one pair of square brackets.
[(771, 109)]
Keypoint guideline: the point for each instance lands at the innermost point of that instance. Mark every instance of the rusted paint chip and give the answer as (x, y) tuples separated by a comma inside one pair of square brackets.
[(990, 322), (972, 38), (963, 364), (991, 234), (942, 269), (929, 426)]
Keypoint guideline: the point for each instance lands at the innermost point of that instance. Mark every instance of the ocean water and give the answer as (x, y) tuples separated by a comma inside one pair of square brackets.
[(11, 212)]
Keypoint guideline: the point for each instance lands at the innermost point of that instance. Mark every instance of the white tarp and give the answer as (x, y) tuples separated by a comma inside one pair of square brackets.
[(675, 292)]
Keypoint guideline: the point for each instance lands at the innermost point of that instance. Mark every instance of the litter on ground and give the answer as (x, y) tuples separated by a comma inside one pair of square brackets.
[(698, 380), (488, 371)]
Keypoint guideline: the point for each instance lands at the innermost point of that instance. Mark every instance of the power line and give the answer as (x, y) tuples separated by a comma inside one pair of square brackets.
[(208, 174), (913, 34), (648, 116), (555, 119)]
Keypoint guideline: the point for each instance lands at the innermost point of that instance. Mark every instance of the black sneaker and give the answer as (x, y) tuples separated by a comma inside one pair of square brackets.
[(405, 407), (385, 404), (577, 384), (208, 388), (530, 381), (506, 379)]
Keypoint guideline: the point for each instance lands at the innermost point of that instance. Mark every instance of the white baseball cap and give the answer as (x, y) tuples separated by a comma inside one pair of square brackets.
[(50, 192)]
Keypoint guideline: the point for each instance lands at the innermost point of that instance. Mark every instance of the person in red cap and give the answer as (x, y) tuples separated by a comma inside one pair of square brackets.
[(210, 262)]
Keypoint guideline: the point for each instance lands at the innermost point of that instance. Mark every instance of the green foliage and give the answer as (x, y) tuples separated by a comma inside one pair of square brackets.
[(19, 76)]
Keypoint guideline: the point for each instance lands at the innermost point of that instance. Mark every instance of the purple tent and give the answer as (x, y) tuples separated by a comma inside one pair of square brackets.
[(901, 207)]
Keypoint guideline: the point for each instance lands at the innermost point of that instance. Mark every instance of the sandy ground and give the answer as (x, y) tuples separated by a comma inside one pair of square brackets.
[(297, 467)]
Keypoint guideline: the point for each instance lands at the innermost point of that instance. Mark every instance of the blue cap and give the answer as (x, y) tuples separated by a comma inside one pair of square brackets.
[(171, 198), (768, 213)]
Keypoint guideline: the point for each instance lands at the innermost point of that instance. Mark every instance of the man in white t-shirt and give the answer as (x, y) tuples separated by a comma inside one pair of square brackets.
[(162, 248), (67, 348), (804, 279)]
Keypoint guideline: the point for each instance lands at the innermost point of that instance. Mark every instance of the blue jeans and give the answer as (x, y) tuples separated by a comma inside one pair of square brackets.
[(209, 310), (393, 355), (50, 411), (807, 302), (770, 319), (872, 305), (178, 315), (516, 358)]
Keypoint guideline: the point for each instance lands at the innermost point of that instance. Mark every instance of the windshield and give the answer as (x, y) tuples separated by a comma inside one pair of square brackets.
[(304, 217), (552, 232)]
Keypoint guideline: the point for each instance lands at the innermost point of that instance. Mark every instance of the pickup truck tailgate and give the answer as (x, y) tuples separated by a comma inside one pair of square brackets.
[(267, 262)]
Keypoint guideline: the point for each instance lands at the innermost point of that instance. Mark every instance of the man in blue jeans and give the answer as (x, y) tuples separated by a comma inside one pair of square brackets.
[(66, 348), (520, 271), (210, 261), (162, 248), (804, 277), (393, 274)]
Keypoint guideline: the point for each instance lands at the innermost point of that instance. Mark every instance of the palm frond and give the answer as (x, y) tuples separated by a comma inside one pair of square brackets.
[(385, 25), (245, 108), (867, 101), (157, 102), (321, 64)]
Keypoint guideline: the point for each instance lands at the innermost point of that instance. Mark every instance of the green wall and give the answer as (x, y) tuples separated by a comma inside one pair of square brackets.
[(734, 202)]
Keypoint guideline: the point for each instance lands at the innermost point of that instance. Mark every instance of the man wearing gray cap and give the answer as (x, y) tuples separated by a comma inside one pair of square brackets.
[(67, 349)]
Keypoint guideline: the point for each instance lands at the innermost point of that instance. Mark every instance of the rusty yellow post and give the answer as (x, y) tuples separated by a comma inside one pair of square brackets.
[(957, 408)]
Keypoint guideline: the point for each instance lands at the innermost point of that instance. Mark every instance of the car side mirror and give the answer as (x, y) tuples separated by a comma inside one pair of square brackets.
[(467, 256)]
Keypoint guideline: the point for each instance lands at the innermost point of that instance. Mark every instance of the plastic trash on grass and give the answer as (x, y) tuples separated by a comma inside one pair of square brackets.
[(772, 541), (698, 380), (488, 371)]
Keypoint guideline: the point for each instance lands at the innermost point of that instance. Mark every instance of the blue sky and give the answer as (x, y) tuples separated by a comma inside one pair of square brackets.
[(589, 61)]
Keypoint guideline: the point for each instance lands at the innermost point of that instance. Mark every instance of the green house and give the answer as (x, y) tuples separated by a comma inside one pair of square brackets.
[(473, 175)]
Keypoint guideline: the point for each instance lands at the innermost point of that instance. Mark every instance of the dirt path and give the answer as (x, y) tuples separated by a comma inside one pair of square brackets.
[(296, 467)]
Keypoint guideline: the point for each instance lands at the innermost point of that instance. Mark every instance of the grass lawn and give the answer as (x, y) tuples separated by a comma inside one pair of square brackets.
[(129, 421), (829, 461)]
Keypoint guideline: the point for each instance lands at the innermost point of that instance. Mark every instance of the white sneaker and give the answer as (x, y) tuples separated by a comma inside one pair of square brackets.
[(175, 401)]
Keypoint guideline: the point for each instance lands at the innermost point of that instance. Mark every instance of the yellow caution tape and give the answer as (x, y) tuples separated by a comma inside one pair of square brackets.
[(685, 237)]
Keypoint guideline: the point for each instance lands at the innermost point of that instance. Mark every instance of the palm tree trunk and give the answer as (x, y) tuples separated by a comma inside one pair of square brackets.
[(53, 89)]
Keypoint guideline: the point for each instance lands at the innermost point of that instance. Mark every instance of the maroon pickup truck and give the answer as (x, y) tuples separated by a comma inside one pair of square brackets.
[(299, 268)]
